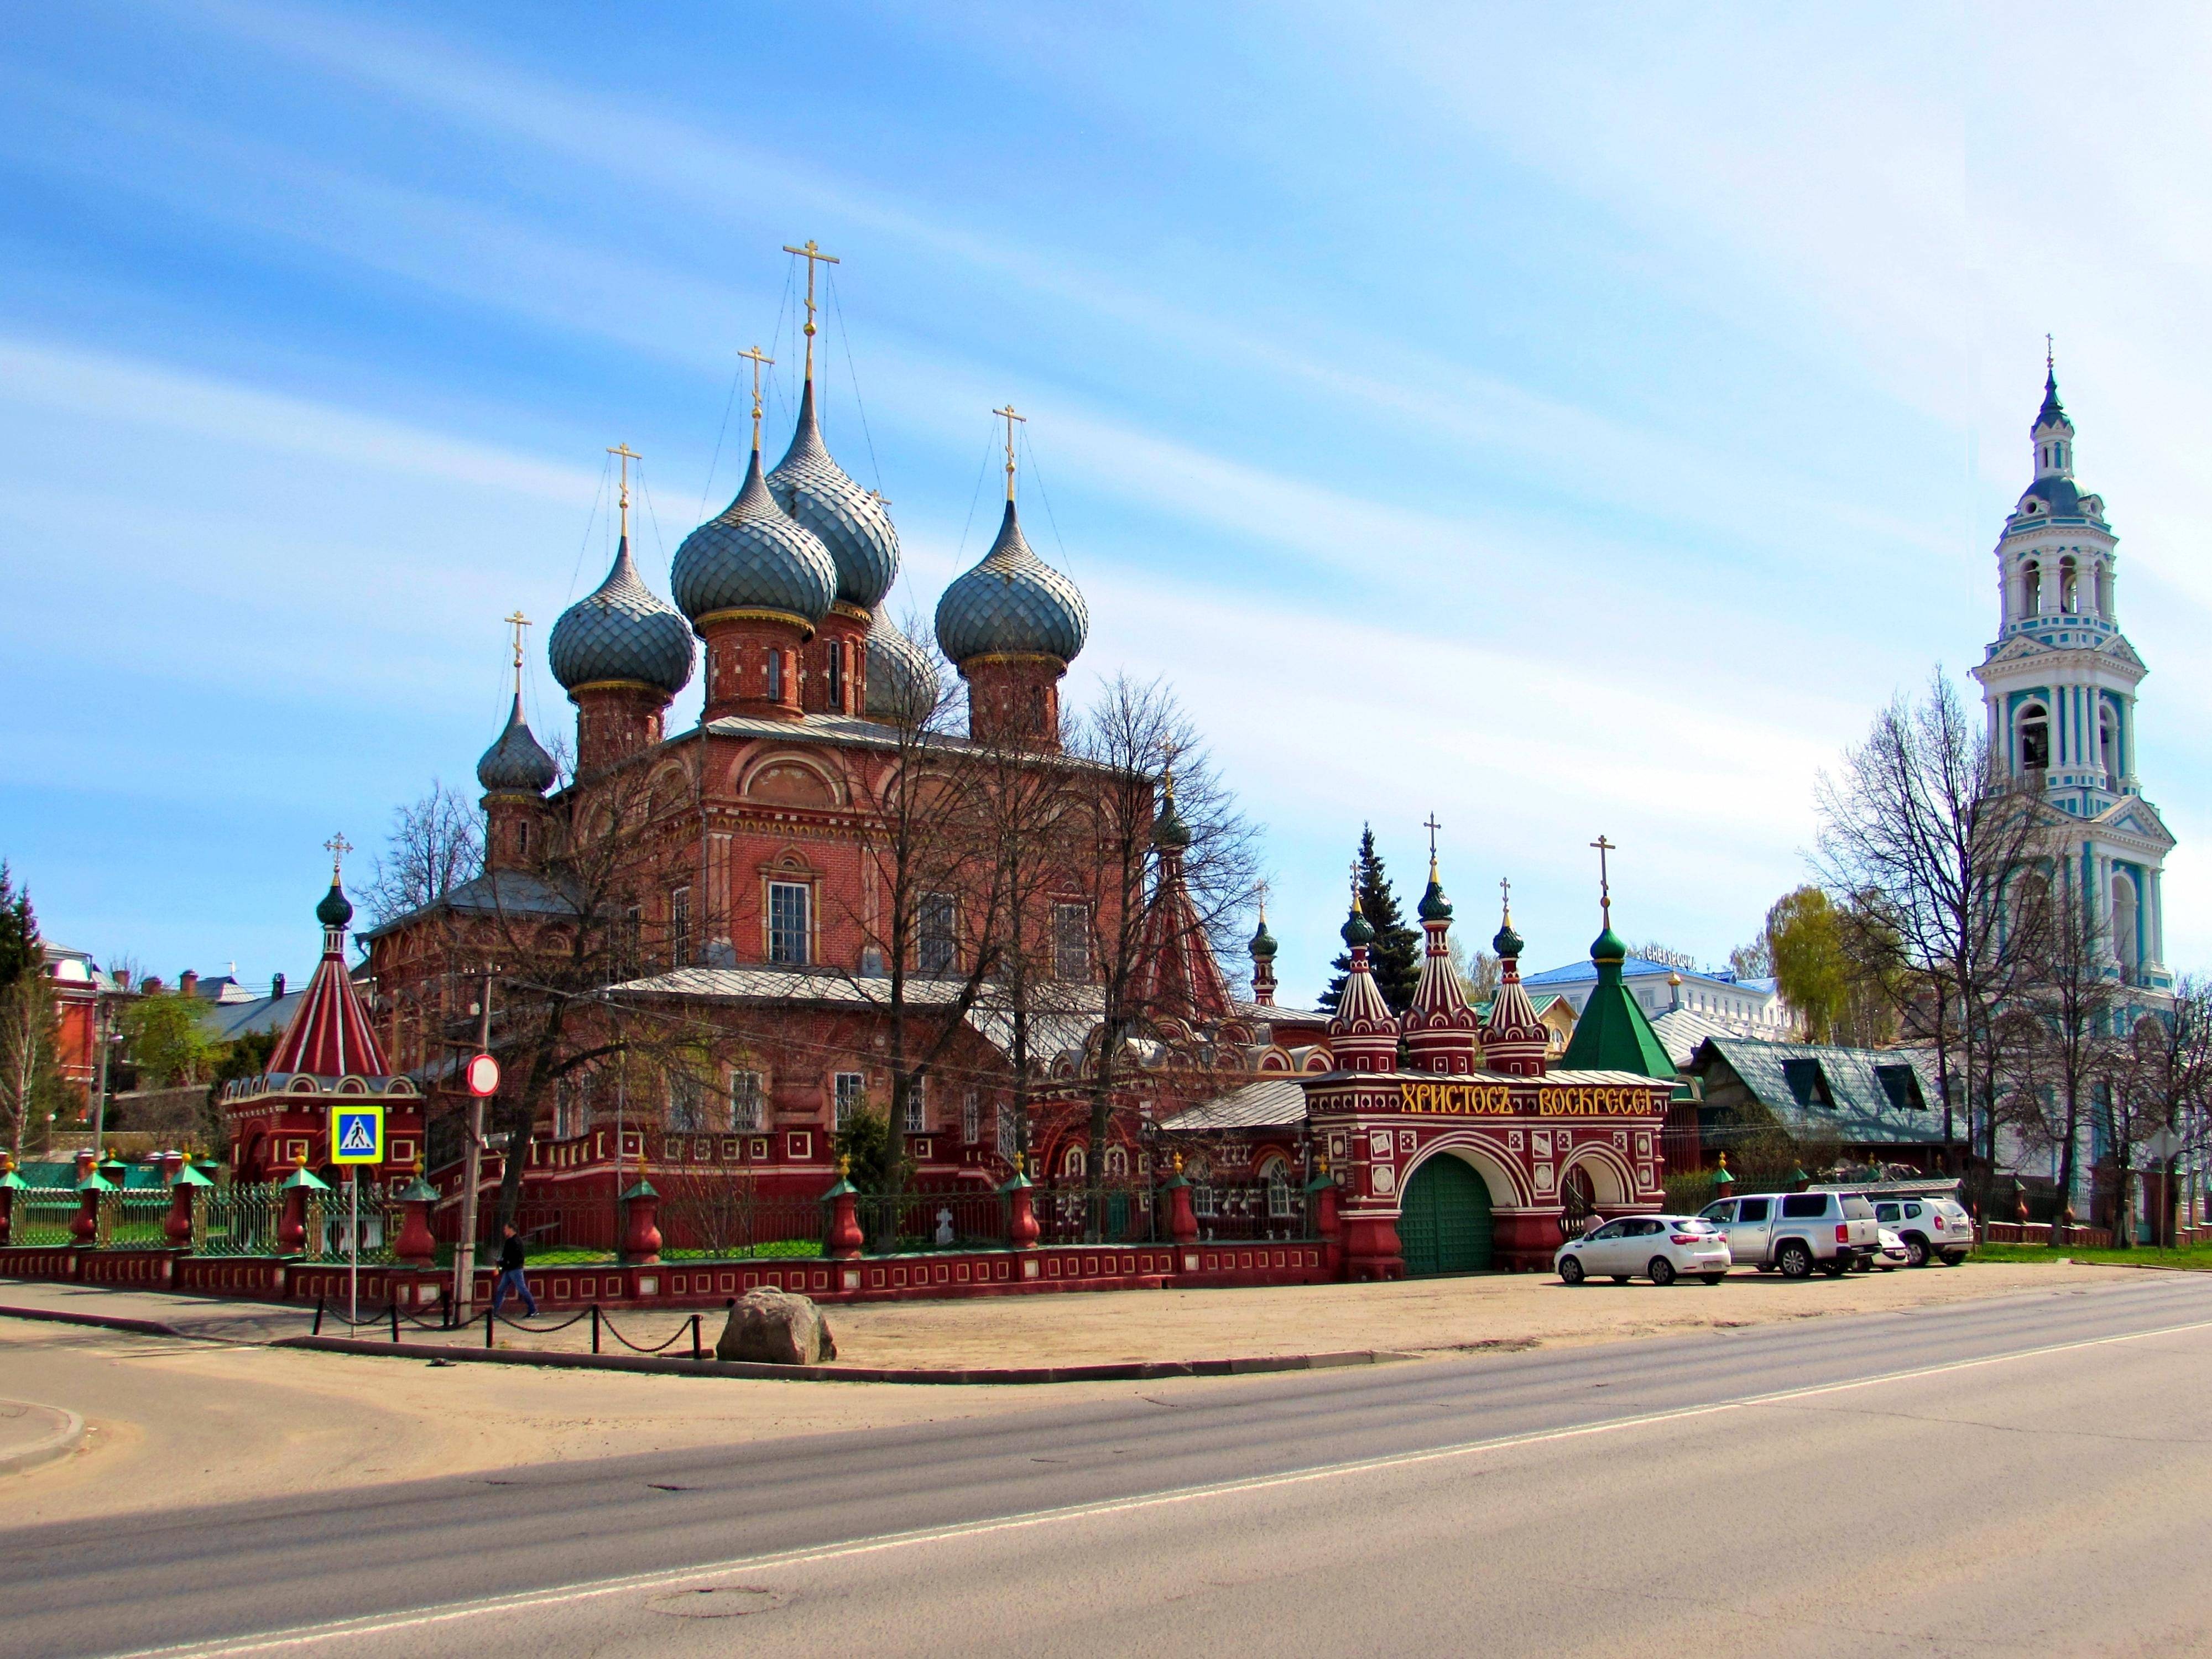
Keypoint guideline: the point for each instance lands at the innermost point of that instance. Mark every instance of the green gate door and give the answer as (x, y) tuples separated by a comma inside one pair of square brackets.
[(1443, 1221)]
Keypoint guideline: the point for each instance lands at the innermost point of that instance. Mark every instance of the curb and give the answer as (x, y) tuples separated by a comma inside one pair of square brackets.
[(66, 1435), (105, 1321), (1143, 1371)]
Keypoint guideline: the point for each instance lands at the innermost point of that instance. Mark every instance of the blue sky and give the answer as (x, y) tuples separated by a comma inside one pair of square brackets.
[(1563, 419)]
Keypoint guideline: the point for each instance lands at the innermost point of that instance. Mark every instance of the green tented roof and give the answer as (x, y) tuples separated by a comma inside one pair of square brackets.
[(1613, 1034)]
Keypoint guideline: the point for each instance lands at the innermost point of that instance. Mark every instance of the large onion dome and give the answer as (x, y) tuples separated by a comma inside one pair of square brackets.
[(902, 679), (848, 521), (751, 556), (335, 909), (1012, 604), (621, 630), (517, 764)]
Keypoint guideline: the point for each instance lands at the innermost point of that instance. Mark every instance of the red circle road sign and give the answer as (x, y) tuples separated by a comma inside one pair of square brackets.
[(484, 1075)]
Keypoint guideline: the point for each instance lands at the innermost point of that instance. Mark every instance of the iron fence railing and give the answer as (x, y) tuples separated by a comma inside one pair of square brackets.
[(922, 1219), (1273, 1211), (41, 1215), (1099, 1215)]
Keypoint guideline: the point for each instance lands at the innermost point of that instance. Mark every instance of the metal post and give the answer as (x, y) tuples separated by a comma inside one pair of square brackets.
[(353, 1248), (465, 1249), (694, 1336), (394, 1290), (595, 1327), (100, 1022), (488, 1317)]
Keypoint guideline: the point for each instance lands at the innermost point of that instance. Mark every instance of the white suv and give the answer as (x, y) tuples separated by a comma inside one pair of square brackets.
[(1933, 1229), (1795, 1232), (1660, 1247)]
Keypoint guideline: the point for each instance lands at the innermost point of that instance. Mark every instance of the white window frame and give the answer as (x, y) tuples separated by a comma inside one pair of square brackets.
[(779, 936), (937, 954), (971, 1117), (745, 1101), (1064, 913), (848, 1093), (679, 927), (917, 1107)]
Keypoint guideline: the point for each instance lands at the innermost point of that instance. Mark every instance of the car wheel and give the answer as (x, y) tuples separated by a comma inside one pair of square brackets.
[(1952, 1258), (1571, 1269), (1661, 1271), (1915, 1251), (1712, 1279), (1794, 1260), (1621, 1279)]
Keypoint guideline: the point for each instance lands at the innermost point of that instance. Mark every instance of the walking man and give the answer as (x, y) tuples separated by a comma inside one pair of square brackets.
[(510, 1272)]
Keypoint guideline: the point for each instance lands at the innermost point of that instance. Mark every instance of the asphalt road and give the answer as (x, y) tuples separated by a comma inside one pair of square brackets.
[(2024, 1474)]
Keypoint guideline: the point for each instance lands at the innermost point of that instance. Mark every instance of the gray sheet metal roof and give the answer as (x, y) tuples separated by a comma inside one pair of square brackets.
[(1861, 1096), (1272, 1102), (512, 892)]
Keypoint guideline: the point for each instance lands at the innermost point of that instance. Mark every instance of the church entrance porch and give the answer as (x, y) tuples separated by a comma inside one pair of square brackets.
[(1444, 1223)]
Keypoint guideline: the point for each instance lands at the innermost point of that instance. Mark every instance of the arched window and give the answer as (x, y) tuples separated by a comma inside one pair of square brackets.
[(1117, 1161), (2104, 589), (1074, 1163), (2108, 748), (1279, 1191), (2069, 591), (2126, 912), (2031, 589), (2034, 728)]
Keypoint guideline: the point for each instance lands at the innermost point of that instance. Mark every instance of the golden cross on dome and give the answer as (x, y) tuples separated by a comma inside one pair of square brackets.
[(627, 455), (1604, 882), (518, 622), (2050, 364), (1355, 887), (758, 361), (337, 846), (1010, 417), (812, 254)]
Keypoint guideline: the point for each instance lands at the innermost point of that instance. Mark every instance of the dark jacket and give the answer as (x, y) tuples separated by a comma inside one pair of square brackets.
[(510, 1255)]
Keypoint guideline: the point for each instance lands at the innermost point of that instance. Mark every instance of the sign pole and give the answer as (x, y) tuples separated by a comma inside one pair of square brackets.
[(482, 1075), (353, 1243)]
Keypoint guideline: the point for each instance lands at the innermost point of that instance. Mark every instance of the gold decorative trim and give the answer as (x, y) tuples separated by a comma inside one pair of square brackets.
[(700, 624), (576, 691), (1013, 658)]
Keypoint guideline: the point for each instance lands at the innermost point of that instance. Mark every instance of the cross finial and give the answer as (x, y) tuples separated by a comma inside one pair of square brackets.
[(1604, 881), (1010, 417), (758, 361), (813, 255), (1260, 892), (627, 455), (337, 846), (1355, 887), (1430, 824), (518, 622), (2050, 359), (1505, 896)]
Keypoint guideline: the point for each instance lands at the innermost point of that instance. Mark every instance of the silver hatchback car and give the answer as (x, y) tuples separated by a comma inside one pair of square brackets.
[(1659, 1247)]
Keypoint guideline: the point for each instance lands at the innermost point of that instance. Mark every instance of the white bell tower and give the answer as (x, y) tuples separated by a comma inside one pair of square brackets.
[(2059, 685)]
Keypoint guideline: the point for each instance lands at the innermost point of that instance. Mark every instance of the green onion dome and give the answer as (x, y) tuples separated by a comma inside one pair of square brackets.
[(1434, 906), (902, 679), (621, 630), (1505, 942), (1263, 942), (848, 521), (517, 764), (1356, 929), (335, 910), (753, 556), (1608, 946), (1170, 832), (1011, 604)]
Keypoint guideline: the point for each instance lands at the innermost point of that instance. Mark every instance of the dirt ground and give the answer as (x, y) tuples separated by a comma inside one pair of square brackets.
[(175, 1422)]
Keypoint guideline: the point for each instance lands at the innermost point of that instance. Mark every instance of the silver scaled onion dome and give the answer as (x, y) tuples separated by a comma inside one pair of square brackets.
[(1011, 604), (753, 556), (517, 763), (621, 631), (902, 679), (849, 521)]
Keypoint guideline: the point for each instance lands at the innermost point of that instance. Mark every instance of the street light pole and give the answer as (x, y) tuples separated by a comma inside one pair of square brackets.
[(464, 1251), (100, 1035)]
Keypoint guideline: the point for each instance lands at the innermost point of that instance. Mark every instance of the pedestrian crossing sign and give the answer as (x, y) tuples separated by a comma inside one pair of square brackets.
[(356, 1135)]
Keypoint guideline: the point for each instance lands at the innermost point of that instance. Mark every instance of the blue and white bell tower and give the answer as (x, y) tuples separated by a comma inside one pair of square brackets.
[(2059, 685)]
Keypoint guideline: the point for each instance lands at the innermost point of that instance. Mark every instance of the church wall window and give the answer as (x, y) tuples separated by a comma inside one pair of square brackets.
[(788, 923), (917, 1107), (2034, 738), (836, 673), (2069, 587), (849, 1090), (936, 952), (776, 676), (679, 927), (971, 1117), (1071, 941), (745, 1100), (2031, 589), (686, 1112)]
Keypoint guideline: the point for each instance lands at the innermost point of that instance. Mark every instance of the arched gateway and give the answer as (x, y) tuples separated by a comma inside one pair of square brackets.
[(1444, 1220)]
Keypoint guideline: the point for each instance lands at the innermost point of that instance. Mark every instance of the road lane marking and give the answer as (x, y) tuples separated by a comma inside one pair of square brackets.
[(674, 1578)]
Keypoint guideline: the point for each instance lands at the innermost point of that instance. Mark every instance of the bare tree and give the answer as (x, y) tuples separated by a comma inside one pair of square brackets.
[(1918, 830), (2059, 1049), (27, 1057), (2160, 1085), (1151, 900), (434, 845)]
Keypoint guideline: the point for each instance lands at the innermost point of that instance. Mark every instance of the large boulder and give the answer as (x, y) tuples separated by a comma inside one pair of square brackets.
[(774, 1328)]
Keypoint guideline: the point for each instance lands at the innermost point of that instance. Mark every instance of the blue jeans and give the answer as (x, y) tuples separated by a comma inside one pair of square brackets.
[(514, 1281)]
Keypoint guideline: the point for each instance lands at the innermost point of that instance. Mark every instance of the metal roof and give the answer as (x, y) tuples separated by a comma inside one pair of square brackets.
[(1860, 1097), (1272, 1103)]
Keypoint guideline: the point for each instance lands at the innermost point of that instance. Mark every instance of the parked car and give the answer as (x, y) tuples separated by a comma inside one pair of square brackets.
[(1660, 1247), (1793, 1233), (1933, 1229), (1892, 1254)]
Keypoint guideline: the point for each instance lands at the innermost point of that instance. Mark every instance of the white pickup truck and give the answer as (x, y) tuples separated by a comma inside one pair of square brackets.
[(1792, 1233)]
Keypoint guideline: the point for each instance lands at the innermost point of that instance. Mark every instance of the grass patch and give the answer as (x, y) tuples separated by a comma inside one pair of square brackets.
[(2198, 1257)]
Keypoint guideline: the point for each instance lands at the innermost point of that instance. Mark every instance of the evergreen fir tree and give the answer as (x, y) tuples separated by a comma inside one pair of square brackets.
[(1395, 958)]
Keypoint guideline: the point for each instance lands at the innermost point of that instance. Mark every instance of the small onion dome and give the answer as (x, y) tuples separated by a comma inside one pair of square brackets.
[(1012, 604), (335, 910), (1435, 906), (902, 679), (847, 520), (1263, 942), (1356, 929), (1168, 830), (621, 630), (1505, 942), (517, 764), (751, 556), (1608, 946)]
